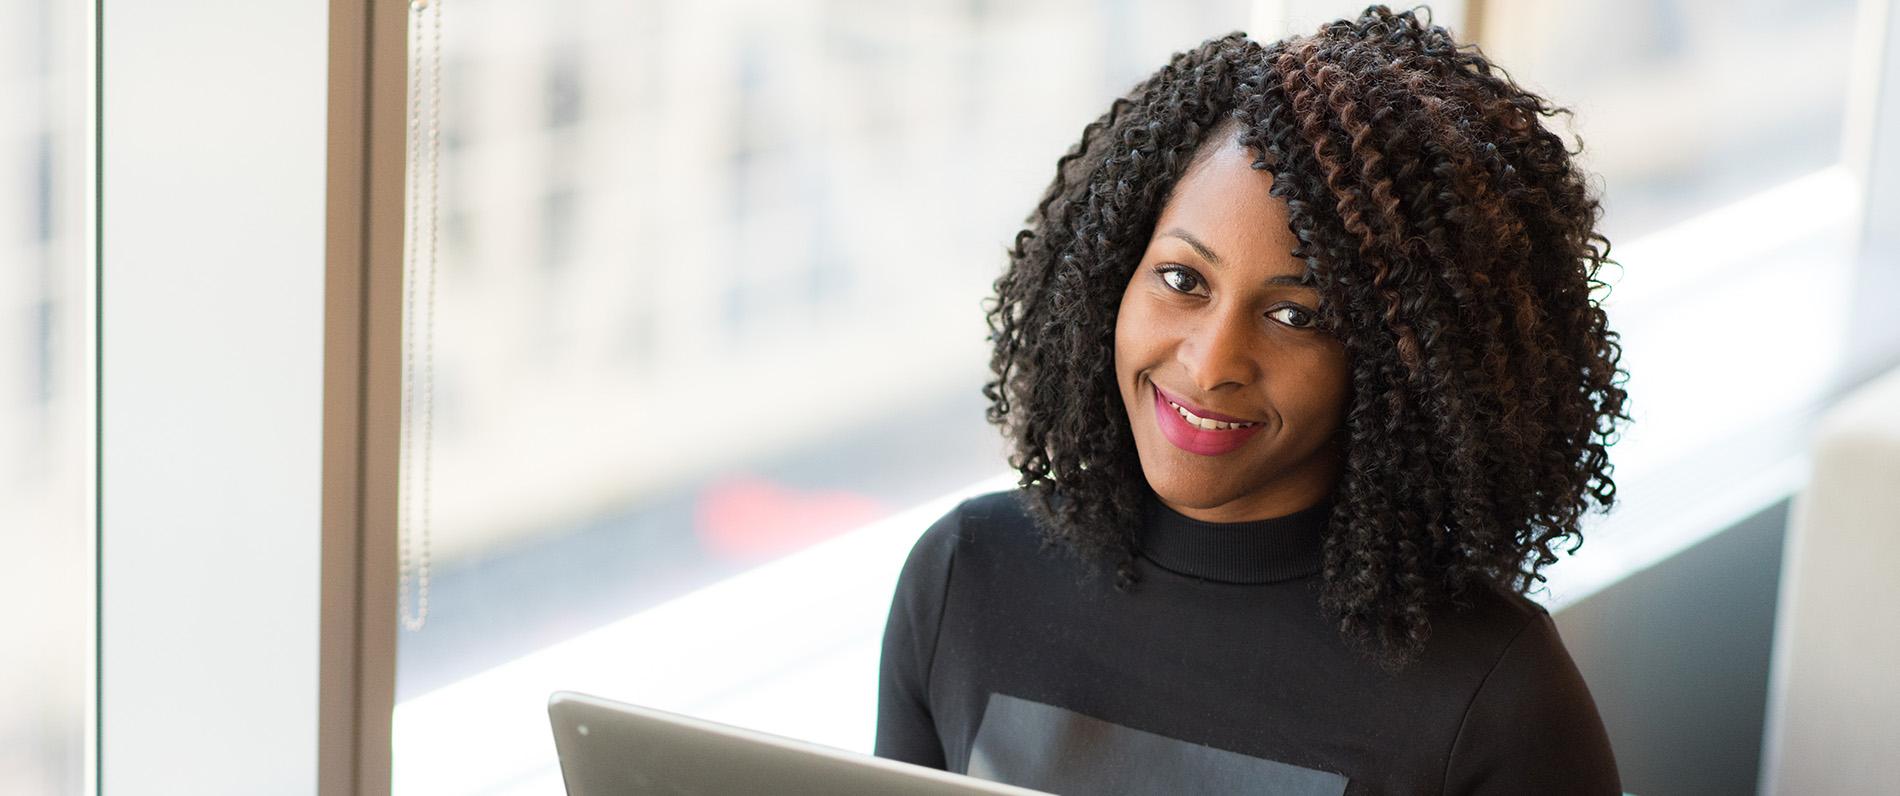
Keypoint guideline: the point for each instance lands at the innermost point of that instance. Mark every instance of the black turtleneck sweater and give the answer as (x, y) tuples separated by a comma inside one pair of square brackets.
[(1216, 674)]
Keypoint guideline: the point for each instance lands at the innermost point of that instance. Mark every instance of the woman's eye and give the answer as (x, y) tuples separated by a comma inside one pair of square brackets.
[(1180, 279), (1295, 317)]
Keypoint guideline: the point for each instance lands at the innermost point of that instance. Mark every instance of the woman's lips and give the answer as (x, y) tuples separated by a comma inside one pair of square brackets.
[(1198, 412), (1190, 438)]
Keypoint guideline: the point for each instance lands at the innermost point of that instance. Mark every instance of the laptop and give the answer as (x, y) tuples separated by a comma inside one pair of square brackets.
[(609, 747)]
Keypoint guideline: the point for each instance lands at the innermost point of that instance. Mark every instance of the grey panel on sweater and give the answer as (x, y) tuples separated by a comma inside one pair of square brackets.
[(1048, 748)]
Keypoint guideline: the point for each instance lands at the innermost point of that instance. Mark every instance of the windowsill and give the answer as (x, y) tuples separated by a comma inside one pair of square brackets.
[(769, 668)]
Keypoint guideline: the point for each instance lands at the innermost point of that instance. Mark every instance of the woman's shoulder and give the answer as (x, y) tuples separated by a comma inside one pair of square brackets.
[(989, 521), (1530, 717), (1488, 605), (1482, 624), (1515, 627), (983, 532), (1005, 510)]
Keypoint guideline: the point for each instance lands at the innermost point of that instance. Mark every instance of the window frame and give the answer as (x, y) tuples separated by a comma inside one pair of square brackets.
[(362, 392), (245, 527)]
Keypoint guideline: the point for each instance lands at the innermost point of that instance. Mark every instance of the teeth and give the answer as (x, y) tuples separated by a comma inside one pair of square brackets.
[(1203, 423)]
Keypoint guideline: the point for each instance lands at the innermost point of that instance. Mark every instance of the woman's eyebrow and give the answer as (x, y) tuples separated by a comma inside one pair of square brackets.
[(1300, 280), (1199, 247)]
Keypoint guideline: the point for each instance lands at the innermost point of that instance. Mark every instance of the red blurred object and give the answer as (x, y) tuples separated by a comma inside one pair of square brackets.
[(752, 518)]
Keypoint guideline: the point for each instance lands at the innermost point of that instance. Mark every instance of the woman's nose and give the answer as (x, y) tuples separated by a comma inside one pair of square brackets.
[(1219, 351)]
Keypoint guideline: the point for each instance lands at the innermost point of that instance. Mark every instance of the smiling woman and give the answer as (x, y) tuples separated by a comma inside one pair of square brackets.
[(1219, 324), (1301, 345)]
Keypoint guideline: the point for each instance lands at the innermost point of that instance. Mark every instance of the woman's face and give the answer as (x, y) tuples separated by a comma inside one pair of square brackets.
[(1217, 320)]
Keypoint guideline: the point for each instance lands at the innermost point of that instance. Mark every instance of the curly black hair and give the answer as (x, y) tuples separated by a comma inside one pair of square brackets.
[(1454, 243)]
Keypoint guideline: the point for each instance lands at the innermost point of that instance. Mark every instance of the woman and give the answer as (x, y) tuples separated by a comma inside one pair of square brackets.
[(1298, 353)]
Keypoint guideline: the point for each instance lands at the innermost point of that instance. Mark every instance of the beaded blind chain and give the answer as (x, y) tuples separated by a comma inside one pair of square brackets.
[(419, 255)]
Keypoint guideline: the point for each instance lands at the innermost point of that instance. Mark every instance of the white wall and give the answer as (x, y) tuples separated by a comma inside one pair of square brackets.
[(211, 295)]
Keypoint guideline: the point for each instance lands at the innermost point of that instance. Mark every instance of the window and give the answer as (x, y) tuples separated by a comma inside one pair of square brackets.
[(1719, 178), (1675, 106), (720, 307), (46, 403)]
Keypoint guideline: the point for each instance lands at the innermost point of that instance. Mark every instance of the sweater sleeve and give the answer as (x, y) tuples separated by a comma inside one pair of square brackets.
[(905, 728), (1532, 726)]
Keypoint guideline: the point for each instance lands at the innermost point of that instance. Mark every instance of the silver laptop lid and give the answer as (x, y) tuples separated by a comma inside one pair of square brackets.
[(609, 747)]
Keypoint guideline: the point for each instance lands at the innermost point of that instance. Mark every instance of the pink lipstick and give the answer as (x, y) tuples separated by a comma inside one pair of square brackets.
[(1194, 439)]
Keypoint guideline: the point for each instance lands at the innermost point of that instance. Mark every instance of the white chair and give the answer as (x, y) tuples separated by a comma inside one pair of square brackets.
[(1833, 723)]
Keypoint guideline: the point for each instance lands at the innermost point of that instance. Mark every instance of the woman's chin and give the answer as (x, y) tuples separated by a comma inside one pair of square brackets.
[(1183, 492)]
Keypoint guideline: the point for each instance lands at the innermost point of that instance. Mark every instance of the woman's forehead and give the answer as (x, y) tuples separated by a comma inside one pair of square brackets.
[(1223, 209)]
